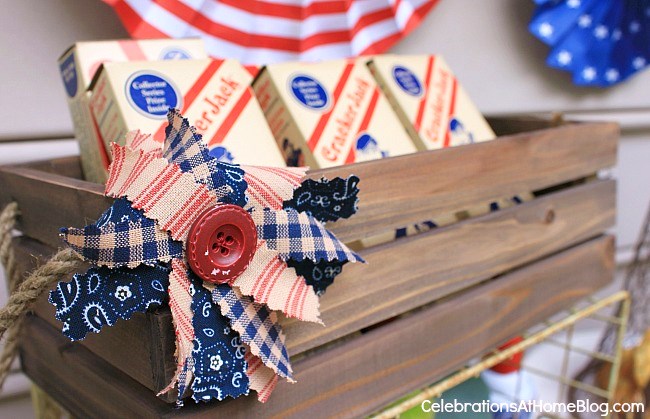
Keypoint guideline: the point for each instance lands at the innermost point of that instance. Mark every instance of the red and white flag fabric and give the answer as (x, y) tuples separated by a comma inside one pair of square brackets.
[(268, 31)]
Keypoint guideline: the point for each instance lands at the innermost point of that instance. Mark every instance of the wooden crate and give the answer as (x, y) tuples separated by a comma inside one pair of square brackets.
[(456, 291)]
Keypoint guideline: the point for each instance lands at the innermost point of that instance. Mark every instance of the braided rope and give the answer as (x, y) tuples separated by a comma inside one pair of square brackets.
[(24, 293)]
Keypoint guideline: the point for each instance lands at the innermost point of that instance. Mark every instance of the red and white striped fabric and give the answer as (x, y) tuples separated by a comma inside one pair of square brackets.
[(270, 281), (180, 303), (268, 31), (260, 377)]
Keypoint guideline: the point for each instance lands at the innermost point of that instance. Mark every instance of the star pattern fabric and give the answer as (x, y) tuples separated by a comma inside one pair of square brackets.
[(228, 339), (601, 42)]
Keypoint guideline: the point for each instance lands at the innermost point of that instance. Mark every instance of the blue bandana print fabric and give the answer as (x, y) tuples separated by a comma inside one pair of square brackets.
[(601, 42), (101, 296), (326, 200), (318, 275), (219, 365), (184, 147)]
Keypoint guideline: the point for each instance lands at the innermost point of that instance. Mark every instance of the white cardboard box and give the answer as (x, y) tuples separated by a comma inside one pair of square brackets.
[(215, 95), (330, 113), (78, 65), (430, 101)]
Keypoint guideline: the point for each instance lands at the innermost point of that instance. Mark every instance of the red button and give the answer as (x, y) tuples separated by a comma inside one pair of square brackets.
[(221, 243)]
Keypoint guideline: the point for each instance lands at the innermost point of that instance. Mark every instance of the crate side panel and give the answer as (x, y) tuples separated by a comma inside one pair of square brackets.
[(409, 273), (409, 189), (83, 383), (361, 375), (395, 192), (399, 276), (383, 365)]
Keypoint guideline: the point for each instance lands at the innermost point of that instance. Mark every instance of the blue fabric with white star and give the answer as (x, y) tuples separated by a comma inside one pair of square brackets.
[(219, 365), (326, 200), (188, 152), (601, 42), (101, 296)]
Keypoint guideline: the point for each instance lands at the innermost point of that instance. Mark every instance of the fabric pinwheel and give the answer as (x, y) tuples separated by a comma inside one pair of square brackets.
[(226, 245), (601, 42)]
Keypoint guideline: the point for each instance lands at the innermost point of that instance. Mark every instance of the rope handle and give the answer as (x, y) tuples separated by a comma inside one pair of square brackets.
[(24, 293)]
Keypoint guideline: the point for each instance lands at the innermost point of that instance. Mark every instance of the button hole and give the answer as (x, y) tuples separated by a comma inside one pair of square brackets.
[(230, 240), (220, 235), (214, 246), (224, 251)]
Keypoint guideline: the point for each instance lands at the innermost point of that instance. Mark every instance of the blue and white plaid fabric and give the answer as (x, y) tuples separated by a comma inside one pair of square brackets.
[(122, 237), (183, 146), (257, 326), (99, 297), (297, 235)]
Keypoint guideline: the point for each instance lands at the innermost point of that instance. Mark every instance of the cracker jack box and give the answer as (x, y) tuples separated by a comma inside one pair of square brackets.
[(429, 100), (78, 65), (215, 95), (328, 114)]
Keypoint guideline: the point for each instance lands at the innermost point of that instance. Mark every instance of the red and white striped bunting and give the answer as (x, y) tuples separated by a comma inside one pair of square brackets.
[(267, 31)]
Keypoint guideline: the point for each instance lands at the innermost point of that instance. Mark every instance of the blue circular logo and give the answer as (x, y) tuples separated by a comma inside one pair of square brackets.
[(222, 154), (151, 94), (174, 53), (309, 92), (407, 81), (69, 75)]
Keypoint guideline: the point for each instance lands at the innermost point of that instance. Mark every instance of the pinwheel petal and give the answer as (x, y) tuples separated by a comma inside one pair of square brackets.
[(297, 235), (136, 140), (261, 378), (129, 243), (161, 190), (319, 275), (219, 363), (270, 281), (183, 147), (326, 200), (99, 297), (257, 326), (269, 187), (180, 303)]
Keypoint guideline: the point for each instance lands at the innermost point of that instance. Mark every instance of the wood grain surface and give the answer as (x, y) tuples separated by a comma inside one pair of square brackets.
[(440, 262), (361, 374), (395, 191)]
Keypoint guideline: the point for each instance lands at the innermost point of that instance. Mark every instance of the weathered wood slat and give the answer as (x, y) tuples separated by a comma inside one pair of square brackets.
[(50, 201), (409, 273), (439, 263), (408, 189), (394, 192), (509, 125), (354, 378), (82, 382), (143, 347)]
